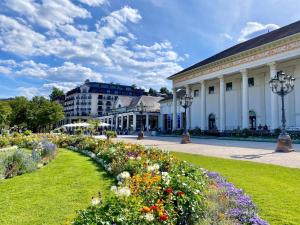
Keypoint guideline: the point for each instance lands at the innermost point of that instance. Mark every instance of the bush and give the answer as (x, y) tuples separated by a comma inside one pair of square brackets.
[(110, 134), (18, 163), (27, 132), (79, 131), (4, 142)]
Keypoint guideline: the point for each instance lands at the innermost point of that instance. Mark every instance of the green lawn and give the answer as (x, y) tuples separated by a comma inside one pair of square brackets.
[(52, 194), (275, 189)]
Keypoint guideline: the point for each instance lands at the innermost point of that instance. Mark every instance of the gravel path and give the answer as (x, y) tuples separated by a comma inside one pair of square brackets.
[(262, 152)]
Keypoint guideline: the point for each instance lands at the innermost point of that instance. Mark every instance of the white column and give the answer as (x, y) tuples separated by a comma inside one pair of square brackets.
[(127, 122), (203, 105), (134, 122), (174, 109), (122, 122), (147, 122), (222, 104), (245, 99), (116, 122), (274, 101), (188, 110)]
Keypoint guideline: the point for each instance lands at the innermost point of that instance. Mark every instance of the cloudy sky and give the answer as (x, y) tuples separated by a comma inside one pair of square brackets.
[(46, 43)]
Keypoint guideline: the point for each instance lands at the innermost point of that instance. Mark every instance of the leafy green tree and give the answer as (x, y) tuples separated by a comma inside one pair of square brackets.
[(94, 125), (164, 90), (5, 114), (20, 109), (152, 92), (56, 92)]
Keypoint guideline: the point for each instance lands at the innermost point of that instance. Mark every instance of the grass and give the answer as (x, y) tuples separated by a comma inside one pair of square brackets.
[(274, 189), (52, 194)]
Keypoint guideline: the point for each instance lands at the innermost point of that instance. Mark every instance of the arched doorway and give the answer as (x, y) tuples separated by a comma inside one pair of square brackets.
[(252, 120), (211, 121)]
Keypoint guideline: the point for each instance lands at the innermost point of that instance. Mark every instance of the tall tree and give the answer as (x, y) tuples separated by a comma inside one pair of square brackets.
[(164, 90), (20, 108), (56, 92), (152, 92), (5, 114)]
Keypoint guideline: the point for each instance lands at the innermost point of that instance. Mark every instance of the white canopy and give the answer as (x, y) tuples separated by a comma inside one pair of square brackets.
[(104, 125), (77, 125)]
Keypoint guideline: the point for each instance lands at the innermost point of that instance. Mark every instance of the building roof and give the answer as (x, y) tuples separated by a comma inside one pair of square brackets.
[(105, 88), (132, 102), (247, 45)]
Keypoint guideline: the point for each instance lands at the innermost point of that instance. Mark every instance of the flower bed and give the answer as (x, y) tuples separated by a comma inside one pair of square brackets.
[(152, 187), (17, 160)]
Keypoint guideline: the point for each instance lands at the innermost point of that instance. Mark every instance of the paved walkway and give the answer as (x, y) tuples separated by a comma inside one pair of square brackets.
[(262, 152)]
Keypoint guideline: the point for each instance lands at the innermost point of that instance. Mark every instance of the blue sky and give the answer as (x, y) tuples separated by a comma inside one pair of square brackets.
[(46, 43)]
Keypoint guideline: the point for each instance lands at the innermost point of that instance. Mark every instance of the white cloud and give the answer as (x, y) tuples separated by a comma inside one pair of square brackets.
[(29, 92), (253, 29), (65, 86), (93, 2), (48, 14), (5, 70), (227, 36)]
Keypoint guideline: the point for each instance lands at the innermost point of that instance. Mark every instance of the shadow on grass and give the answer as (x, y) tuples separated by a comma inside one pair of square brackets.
[(253, 156)]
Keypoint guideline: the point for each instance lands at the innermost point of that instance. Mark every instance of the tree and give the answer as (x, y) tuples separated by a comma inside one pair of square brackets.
[(94, 125), (20, 108), (164, 90), (134, 86), (152, 92), (5, 114), (56, 92)]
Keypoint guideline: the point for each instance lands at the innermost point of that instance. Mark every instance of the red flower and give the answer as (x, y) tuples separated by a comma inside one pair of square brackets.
[(154, 207), (169, 190), (163, 217), (180, 193)]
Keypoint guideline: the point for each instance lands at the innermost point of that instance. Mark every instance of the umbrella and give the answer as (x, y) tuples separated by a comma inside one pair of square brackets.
[(77, 125)]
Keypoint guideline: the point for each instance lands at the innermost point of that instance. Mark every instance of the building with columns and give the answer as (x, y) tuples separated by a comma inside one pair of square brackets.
[(231, 90), (127, 114)]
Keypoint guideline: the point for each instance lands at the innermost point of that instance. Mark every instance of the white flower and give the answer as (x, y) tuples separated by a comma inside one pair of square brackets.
[(131, 158), (95, 201), (123, 191), (149, 217), (153, 168), (114, 188), (156, 166), (166, 177), (150, 168), (138, 158), (123, 176)]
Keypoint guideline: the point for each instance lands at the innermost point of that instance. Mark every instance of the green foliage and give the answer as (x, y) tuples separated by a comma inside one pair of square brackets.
[(19, 115), (18, 163), (56, 93), (27, 132), (79, 131), (164, 90), (5, 114), (110, 134), (4, 142), (152, 92)]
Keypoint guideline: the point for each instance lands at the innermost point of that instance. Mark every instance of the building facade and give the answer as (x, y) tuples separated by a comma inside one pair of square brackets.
[(231, 90), (93, 99), (133, 113)]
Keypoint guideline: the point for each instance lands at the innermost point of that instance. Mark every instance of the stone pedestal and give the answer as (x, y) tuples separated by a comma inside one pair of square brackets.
[(140, 135), (185, 138), (284, 143)]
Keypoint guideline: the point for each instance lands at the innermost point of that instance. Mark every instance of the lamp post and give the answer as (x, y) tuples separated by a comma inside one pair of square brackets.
[(114, 112), (282, 84), (186, 102), (141, 109)]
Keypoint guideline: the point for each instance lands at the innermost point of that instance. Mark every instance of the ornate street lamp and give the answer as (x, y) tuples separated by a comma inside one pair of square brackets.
[(282, 84), (186, 102), (141, 109)]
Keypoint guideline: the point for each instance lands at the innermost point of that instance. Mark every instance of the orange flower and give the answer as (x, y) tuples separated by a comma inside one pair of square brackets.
[(180, 193), (146, 209), (163, 217)]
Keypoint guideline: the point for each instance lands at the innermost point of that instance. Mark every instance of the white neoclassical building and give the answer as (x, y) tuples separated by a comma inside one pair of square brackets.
[(231, 89)]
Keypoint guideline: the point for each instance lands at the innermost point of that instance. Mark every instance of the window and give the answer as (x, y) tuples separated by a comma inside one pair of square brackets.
[(250, 81), (211, 90), (229, 86), (196, 93)]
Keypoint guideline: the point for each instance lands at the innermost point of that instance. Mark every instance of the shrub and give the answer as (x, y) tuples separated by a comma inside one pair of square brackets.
[(79, 131), (18, 163), (4, 142), (27, 132), (110, 134)]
